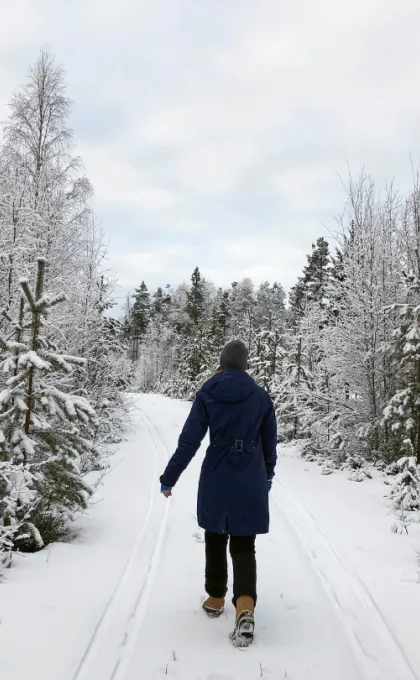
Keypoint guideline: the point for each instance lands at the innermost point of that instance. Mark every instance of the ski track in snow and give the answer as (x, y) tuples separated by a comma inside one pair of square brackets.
[(109, 639), (136, 620), (297, 634), (139, 616), (180, 641), (376, 650)]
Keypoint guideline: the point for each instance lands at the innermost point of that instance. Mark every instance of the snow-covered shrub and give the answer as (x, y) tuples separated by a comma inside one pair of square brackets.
[(359, 469), (392, 469), (18, 499), (360, 475), (405, 494), (328, 468), (380, 465)]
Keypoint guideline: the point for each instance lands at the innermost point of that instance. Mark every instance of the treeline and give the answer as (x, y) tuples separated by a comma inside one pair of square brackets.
[(340, 357), (63, 362)]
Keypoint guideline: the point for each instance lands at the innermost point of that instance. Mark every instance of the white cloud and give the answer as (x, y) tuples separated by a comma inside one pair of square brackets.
[(107, 15), (215, 167), (221, 127), (21, 23), (158, 266), (313, 182), (23, 30), (118, 182)]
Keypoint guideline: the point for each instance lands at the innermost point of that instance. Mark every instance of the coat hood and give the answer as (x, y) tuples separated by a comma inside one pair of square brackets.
[(230, 386)]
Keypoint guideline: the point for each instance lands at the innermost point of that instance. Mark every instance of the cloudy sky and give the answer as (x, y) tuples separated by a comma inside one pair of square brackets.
[(215, 131)]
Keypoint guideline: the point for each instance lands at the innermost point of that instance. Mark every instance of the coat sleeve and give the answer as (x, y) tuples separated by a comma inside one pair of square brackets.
[(269, 439), (192, 435)]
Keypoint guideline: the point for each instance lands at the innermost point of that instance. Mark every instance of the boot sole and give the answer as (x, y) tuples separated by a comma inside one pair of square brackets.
[(243, 635)]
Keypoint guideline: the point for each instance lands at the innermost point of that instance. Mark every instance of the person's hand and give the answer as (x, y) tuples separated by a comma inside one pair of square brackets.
[(269, 483), (166, 490)]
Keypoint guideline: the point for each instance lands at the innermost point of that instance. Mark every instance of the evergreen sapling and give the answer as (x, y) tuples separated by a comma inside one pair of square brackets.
[(44, 429)]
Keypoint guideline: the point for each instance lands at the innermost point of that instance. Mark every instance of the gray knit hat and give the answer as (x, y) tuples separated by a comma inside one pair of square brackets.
[(234, 355)]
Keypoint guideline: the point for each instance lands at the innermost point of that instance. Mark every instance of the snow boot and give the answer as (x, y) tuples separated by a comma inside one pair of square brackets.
[(214, 606), (243, 635)]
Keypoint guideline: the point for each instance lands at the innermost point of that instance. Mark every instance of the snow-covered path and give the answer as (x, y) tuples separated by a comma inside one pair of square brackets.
[(298, 634), (139, 601)]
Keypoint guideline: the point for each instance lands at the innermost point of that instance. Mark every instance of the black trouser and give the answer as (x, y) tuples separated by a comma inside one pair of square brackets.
[(242, 550)]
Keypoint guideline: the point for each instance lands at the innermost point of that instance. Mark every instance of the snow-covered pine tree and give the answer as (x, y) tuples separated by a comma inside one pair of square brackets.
[(402, 414), (193, 357), (297, 304), (45, 430), (270, 322), (106, 374), (17, 496), (317, 273), (242, 306), (140, 319), (220, 321), (155, 366), (215, 329), (161, 304), (304, 374), (172, 378), (314, 284), (289, 388)]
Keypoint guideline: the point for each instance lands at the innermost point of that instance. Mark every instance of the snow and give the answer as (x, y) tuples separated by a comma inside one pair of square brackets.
[(339, 593), (35, 360)]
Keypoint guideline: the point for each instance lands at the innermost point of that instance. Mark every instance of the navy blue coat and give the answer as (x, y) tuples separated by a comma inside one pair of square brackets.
[(233, 490)]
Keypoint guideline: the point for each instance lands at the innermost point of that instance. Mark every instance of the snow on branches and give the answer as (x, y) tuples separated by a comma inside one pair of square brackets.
[(405, 494), (45, 430), (57, 409), (402, 413)]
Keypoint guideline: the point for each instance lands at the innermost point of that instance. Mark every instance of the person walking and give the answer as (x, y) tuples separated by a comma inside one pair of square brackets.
[(236, 477)]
